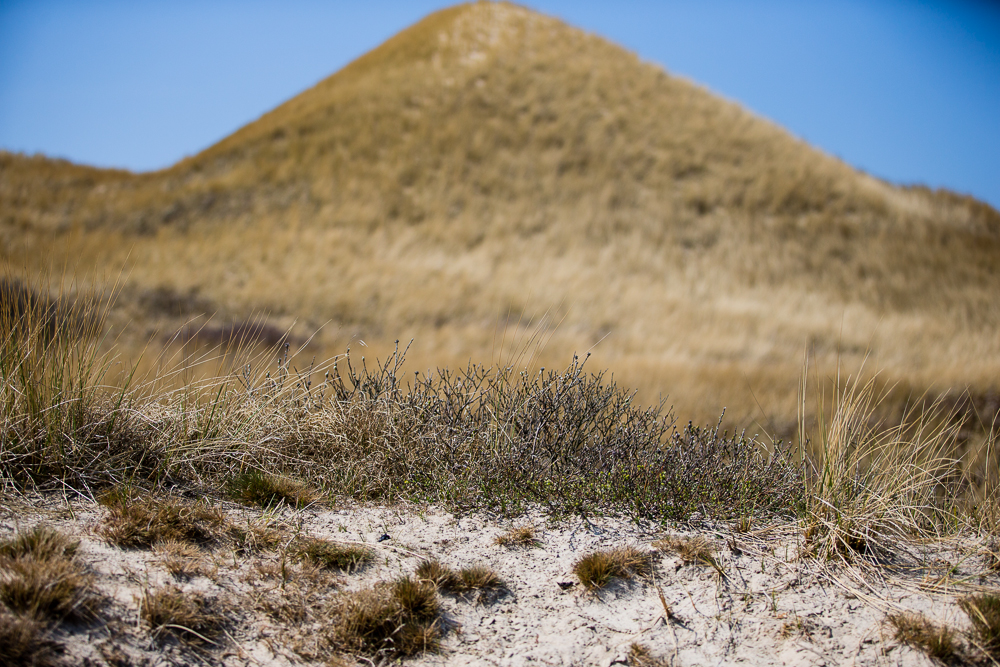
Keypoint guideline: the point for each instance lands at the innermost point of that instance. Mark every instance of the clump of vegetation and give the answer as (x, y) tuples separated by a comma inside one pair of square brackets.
[(697, 549), (182, 559), (871, 484), (439, 574), (391, 620), (40, 578), (332, 555), (484, 438), (39, 543), (25, 642), (189, 616), (478, 578), (937, 641), (520, 536), (142, 522), (639, 655), (466, 580), (255, 537), (596, 570), (983, 609), (51, 589), (266, 490)]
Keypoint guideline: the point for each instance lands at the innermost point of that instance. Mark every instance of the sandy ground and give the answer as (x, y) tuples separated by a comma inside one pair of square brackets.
[(767, 606)]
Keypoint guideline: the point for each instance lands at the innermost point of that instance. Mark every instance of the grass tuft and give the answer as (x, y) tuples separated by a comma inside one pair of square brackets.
[(25, 642), (40, 543), (40, 578), (521, 536), (466, 580), (443, 577), (141, 523), (937, 641), (394, 619), (479, 578), (183, 560), (53, 589), (871, 484), (255, 537), (267, 490), (639, 655), (596, 570), (698, 549), (983, 610), (332, 555), (189, 616)]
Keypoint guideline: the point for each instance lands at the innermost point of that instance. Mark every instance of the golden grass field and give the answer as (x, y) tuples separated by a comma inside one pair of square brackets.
[(501, 187)]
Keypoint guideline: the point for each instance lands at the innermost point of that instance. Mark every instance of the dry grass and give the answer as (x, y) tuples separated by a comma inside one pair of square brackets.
[(639, 655), (983, 610), (332, 555), (596, 570), (143, 522), (48, 589), (25, 642), (466, 580), (183, 560), (707, 242), (189, 616), (394, 619), (40, 578), (991, 555), (936, 641), (40, 543), (873, 485), (478, 578), (520, 536), (267, 490), (257, 537), (698, 549)]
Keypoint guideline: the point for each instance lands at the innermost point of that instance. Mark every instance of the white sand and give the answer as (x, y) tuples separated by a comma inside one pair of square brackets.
[(771, 607)]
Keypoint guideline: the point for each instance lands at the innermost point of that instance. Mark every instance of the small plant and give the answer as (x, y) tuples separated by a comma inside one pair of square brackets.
[(639, 655), (267, 490), (189, 616), (394, 619), (522, 536), (697, 549), (39, 577), (143, 523), (478, 578), (25, 642), (937, 641), (182, 559), (47, 589), (743, 524), (443, 577), (40, 543), (466, 580), (597, 569), (871, 483), (332, 555), (983, 610), (254, 537)]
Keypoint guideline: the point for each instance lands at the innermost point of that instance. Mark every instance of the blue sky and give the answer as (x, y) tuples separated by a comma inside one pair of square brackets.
[(908, 91)]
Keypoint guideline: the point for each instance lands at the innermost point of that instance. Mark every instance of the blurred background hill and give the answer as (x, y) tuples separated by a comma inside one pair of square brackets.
[(492, 175)]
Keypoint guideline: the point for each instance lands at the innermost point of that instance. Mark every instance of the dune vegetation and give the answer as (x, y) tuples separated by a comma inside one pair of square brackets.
[(492, 174), (496, 267)]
